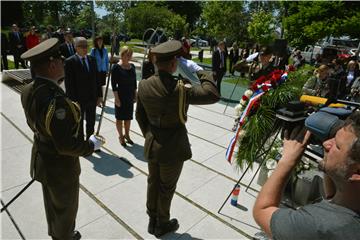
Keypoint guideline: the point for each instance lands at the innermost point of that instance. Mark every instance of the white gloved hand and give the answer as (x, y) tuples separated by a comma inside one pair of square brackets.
[(96, 141), (191, 65)]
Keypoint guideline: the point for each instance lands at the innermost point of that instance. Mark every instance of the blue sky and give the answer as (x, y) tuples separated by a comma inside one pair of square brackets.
[(101, 12)]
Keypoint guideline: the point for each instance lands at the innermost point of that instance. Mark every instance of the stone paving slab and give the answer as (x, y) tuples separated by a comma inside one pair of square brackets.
[(122, 188)]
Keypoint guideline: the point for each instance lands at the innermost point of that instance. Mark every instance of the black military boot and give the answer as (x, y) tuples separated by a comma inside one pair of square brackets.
[(76, 235), (151, 226), (170, 226)]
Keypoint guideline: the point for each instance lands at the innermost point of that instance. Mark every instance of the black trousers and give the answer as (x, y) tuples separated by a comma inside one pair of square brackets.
[(162, 182), (4, 61), (61, 205), (17, 59), (88, 112), (218, 78)]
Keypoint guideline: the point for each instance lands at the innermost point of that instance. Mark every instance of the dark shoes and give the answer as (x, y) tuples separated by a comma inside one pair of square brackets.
[(76, 235), (170, 226), (122, 141), (128, 140), (151, 226)]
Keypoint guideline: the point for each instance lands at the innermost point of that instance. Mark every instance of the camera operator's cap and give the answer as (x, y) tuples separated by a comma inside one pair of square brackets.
[(167, 50), (44, 51)]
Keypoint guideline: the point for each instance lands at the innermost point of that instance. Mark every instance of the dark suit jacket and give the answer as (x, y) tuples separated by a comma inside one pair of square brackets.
[(14, 41), (216, 60), (65, 50), (157, 113), (81, 85)]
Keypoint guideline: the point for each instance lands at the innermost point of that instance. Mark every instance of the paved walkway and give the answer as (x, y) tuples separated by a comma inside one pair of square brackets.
[(113, 182)]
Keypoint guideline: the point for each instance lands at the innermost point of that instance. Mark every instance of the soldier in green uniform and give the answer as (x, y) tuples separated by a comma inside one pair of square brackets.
[(263, 65), (54, 119), (163, 101)]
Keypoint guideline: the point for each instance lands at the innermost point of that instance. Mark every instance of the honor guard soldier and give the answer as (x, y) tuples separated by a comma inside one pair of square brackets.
[(162, 105), (263, 65), (54, 119)]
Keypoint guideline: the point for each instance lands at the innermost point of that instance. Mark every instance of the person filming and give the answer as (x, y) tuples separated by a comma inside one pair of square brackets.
[(337, 216)]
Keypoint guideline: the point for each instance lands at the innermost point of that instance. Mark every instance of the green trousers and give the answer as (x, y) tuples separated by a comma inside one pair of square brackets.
[(162, 181), (61, 205)]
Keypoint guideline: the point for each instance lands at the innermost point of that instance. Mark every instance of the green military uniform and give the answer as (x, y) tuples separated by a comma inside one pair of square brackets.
[(54, 120), (257, 70), (162, 105)]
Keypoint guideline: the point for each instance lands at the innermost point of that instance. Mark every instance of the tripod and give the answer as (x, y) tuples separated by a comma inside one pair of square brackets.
[(261, 153)]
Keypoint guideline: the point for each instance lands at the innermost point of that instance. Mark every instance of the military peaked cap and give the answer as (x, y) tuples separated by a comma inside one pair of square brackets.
[(44, 51), (167, 50)]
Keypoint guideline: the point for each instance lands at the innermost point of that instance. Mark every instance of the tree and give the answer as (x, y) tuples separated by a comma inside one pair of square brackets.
[(262, 27), (308, 22), (225, 20), (117, 11), (190, 10), (147, 15)]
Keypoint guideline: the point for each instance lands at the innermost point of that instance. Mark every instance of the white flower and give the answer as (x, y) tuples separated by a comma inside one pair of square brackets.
[(248, 93), (271, 164), (238, 109), (269, 173), (242, 102)]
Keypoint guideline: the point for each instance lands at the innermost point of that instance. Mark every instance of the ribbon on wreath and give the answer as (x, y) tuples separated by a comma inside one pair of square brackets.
[(260, 87), (252, 102)]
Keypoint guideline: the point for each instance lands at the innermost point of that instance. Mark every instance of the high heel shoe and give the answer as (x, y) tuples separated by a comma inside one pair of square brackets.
[(129, 140), (122, 141)]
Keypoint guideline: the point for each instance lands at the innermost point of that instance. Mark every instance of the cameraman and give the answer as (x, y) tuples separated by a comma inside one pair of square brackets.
[(337, 218)]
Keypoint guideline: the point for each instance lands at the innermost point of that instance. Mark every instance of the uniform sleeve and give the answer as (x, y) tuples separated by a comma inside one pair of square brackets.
[(288, 224), (62, 123), (141, 117), (206, 92)]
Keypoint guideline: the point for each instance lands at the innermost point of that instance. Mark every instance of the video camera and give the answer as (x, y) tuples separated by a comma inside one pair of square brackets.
[(322, 122)]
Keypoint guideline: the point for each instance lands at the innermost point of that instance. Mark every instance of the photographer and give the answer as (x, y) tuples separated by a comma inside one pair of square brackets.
[(335, 219)]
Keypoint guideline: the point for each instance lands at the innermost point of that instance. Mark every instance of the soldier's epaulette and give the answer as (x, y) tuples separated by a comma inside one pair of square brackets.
[(60, 113)]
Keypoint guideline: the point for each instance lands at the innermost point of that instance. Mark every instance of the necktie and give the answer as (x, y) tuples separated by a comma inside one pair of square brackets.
[(70, 49), (222, 59), (84, 64)]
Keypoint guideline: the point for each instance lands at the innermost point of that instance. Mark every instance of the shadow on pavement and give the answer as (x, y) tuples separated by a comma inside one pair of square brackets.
[(109, 165), (182, 236), (137, 151)]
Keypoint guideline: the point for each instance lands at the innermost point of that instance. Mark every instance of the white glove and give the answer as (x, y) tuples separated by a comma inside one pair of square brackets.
[(191, 65), (96, 141)]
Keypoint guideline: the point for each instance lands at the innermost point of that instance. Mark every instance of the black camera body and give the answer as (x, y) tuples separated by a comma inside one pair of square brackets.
[(323, 123)]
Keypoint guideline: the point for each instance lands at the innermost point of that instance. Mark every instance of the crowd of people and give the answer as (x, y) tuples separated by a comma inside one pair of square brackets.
[(21, 39), (57, 119)]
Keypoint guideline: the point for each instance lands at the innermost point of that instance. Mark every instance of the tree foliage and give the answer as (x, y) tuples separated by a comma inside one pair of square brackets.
[(262, 27), (225, 20), (51, 12), (308, 22), (147, 15)]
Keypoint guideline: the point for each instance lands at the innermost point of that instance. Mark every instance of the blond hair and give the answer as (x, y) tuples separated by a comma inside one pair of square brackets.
[(322, 68), (125, 50)]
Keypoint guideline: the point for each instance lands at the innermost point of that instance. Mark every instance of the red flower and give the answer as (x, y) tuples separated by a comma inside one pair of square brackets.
[(245, 98)]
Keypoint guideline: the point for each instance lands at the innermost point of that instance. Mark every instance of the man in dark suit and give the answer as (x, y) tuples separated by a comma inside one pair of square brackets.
[(161, 112), (54, 119), (219, 64), (82, 85), (17, 45), (67, 48)]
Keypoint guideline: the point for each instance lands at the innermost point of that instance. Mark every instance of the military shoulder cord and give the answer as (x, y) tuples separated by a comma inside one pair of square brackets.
[(75, 109), (182, 102)]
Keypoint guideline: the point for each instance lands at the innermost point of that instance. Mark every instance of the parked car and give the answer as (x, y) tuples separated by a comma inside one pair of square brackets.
[(198, 42)]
